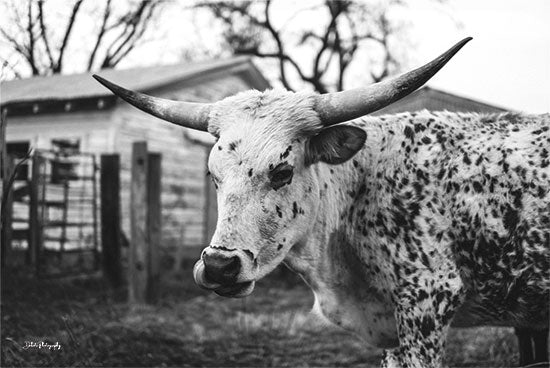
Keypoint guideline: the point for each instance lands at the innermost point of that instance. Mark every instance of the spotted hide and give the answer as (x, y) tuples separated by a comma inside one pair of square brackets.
[(440, 219)]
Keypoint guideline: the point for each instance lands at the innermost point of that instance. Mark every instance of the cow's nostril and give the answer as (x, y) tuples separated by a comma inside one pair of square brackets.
[(222, 269)]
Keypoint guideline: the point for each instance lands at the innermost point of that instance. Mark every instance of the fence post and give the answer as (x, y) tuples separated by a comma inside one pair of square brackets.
[(110, 219), (4, 174), (145, 222), (153, 224), (137, 266), (7, 209), (3, 142), (35, 226)]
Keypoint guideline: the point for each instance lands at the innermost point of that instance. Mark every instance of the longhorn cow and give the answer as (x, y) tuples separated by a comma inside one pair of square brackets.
[(402, 225)]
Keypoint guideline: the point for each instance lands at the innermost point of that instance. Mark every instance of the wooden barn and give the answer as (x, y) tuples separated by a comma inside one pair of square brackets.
[(49, 113)]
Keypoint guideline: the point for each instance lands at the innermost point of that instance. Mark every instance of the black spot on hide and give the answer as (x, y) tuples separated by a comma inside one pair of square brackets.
[(233, 145), (477, 187), (409, 133), (511, 219), (466, 159), (426, 140), (427, 326), (285, 153)]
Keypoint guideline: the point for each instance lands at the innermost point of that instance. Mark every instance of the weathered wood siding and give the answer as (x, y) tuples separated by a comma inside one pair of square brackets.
[(184, 162), (93, 128)]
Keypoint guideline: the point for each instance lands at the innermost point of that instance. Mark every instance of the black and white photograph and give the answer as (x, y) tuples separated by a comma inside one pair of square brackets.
[(275, 183)]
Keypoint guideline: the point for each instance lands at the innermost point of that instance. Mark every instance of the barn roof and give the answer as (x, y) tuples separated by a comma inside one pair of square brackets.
[(82, 89), (83, 86), (433, 99)]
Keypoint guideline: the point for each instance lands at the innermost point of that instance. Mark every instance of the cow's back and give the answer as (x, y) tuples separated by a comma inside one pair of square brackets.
[(496, 190), (476, 185)]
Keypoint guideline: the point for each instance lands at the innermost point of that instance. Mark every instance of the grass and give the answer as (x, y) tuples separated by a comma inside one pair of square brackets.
[(190, 327)]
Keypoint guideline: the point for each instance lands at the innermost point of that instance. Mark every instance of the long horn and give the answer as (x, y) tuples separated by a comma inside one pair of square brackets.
[(334, 108), (187, 114)]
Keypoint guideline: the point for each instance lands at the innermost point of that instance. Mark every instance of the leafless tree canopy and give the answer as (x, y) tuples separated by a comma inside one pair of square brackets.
[(42, 35), (350, 26)]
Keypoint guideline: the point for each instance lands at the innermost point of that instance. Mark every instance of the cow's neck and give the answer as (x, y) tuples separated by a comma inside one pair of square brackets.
[(331, 236), (329, 260)]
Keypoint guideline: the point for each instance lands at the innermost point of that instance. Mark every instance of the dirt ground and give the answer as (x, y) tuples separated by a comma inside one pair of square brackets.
[(189, 327)]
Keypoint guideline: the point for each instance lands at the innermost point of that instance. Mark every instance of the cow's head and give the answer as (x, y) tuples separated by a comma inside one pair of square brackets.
[(263, 165)]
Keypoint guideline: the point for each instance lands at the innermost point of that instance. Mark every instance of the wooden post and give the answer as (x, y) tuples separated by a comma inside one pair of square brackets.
[(3, 141), (94, 209), (153, 224), (145, 213), (110, 219), (7, 209), (4, 174), (137, 266), (35, 226)]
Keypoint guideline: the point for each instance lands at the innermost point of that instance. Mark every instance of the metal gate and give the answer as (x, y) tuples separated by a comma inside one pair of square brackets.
[(55, 213)]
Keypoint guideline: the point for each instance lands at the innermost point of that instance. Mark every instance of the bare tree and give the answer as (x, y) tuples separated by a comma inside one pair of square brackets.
[(41, 36), (350, 25)]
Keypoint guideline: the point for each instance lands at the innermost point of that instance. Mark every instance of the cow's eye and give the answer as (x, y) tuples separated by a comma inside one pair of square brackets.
[(281, 175)]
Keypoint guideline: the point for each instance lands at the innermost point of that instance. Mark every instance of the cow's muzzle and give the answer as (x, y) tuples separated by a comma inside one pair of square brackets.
[(219, 270)]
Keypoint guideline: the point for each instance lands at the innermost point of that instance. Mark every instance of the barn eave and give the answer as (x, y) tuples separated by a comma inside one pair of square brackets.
[(57, 106)]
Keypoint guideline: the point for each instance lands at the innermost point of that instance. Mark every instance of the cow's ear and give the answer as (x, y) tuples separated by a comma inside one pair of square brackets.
[(335, 145)]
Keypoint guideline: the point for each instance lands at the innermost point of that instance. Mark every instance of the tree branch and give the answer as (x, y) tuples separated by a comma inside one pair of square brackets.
[(130, 28), (44, 33), (282, 56), (8, 65), (341, 62), (101, 33), (20, 48), (30, 33), (334, 12), (134, 26), (388, 57), (70, 24), (44, 46), (217, 7)]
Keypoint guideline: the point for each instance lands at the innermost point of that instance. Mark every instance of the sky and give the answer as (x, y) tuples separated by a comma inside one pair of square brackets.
[(508, 61), (506, 64)]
